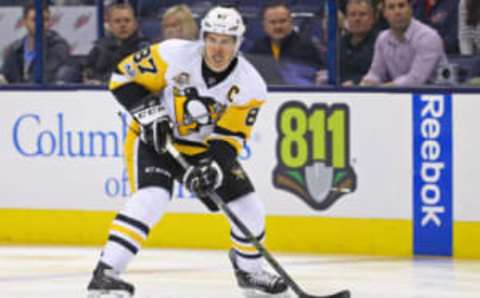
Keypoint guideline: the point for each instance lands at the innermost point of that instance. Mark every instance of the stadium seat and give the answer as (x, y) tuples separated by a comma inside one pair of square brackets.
[(150, 27), (466, 66), (150, 8), (254, 29), (312, 6), (312, 3)]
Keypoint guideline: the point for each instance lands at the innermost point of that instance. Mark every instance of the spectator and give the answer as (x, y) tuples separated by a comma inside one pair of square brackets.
[(20, 56), (357, 45), (442, 15), (122, 40), (178, 22), (407, 54), (469, 27), (299, 57), (380, 22)]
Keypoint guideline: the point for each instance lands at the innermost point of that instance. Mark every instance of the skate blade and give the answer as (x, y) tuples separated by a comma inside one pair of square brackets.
[(108, 294), (251, 293)]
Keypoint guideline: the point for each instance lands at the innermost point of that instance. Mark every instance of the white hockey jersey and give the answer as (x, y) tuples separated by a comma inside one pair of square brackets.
[(173, 69)]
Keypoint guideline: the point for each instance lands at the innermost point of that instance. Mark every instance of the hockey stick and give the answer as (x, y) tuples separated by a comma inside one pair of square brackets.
[(260, 248)]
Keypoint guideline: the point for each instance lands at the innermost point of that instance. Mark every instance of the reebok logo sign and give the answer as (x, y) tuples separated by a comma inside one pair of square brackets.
[(432, 174)]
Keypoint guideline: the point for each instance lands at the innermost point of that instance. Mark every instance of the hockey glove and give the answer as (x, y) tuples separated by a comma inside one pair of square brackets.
[(203, 178), (156, 126)]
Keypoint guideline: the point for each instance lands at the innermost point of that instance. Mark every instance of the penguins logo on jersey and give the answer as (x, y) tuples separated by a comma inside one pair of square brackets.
[(194, 111)]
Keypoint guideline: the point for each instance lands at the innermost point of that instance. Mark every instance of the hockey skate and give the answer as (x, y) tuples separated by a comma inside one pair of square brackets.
[(106, 284), (258, 284)]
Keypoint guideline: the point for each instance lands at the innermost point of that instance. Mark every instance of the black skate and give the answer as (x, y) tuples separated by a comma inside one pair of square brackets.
[(258, 284), (105, 283)]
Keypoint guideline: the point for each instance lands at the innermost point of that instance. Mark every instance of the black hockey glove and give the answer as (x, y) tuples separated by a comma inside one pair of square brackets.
[(203, 178), (156, 125)]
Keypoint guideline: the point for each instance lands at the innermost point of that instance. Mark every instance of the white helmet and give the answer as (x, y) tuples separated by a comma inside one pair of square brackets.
[(223, 20)]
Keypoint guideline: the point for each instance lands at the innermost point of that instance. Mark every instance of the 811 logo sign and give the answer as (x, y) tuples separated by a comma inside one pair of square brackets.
[(313, 153)]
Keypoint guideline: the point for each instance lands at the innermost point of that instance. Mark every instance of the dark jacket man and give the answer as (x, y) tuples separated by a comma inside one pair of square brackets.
[(293, 48), (123, 39), (108, 52)]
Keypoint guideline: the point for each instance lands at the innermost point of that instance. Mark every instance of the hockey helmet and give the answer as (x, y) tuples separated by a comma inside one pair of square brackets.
[(223, 20)]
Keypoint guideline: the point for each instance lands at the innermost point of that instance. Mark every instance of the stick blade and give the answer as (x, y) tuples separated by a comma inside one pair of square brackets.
[(341, 294)]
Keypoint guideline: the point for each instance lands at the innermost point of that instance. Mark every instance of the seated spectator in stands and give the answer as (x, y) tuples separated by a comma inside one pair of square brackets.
[(20, 56), (299, 57), (357, 45), (442, 15), (407, 54), (122, 40), (178, 22), (469, 27), (380, 22)]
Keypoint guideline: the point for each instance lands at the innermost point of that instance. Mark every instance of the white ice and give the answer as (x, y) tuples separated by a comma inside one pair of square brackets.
[(37, 272)]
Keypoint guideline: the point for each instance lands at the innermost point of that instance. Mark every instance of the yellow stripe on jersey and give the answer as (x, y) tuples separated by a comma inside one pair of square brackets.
[(129, 148), (238, 120), (128, 232), (247, 249), (236, 117), (145, 67)]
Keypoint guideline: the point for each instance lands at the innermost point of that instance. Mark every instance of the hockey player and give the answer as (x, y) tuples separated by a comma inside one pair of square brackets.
[(207, 97)]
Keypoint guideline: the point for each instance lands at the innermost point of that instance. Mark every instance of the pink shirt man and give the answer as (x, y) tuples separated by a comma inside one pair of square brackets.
[(412, 61)]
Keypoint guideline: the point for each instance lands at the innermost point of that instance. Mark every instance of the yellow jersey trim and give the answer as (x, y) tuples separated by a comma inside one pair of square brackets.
[(236, 117), (129, 149), (128, 232), (145, 67)]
